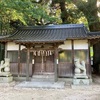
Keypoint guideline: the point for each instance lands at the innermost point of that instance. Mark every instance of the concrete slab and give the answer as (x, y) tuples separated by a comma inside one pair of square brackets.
[(30, 84)]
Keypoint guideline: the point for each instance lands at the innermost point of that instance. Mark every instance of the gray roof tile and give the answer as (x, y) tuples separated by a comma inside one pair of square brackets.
[(53, 33)]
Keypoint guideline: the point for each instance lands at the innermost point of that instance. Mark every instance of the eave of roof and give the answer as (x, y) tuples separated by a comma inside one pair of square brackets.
[(94, 35), (53, 33)]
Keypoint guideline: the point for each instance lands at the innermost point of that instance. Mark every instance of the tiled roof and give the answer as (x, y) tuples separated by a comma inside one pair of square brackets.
[(53, 33), (94, 35)]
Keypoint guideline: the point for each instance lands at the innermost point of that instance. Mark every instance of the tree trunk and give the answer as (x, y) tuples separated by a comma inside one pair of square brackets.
[(64, 14), (96, 57), (90, 11)]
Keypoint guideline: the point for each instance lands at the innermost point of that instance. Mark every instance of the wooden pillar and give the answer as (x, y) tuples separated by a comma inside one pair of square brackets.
[(56, 64), (72, 52), (45, 62), (42, 64), (5, 50), (33, 62), (27, 65), (72, 43), (90, 69), (19, 54)]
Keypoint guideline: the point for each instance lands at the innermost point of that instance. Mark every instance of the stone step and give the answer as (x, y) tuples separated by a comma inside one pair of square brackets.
[(48, 85), (43, 77), (42, 80)]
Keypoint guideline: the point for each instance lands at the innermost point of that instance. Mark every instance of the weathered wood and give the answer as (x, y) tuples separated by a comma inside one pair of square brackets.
[(56, 65), (33, 65), (19, 54), (45, 58), (14, 69), (90, 71), (27, 64), (72, 42), (42, 65)]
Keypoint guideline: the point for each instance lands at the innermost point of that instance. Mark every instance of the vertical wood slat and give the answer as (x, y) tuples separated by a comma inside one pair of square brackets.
[(90, 71), (27, 64), (72, 42), (19, 54), (56, 65), (64, 69), (14, 69), (33, 65)]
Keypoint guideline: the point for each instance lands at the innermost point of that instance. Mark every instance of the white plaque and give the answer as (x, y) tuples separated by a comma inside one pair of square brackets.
[(57, 61), (32, 61)]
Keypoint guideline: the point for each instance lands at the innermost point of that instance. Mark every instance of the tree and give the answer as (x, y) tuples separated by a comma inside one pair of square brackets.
[(90, 11), (22, 12)]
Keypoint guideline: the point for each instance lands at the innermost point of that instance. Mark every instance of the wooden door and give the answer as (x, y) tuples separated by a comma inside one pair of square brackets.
[(43, 64)]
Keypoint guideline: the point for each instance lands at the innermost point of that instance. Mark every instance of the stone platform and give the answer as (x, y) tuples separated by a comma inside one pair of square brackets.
[(30, 84)]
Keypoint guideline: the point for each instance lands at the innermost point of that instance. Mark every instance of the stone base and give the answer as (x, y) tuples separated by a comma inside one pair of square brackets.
[(5, 74), (81, 76), (81, 82), (6, 79)]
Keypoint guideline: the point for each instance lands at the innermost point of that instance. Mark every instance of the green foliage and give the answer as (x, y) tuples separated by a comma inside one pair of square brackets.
[(23, 12), (90, 11)]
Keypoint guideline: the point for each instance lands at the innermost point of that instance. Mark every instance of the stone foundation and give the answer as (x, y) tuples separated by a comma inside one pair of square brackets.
[(81, 82), (80, 76), (6, 79)]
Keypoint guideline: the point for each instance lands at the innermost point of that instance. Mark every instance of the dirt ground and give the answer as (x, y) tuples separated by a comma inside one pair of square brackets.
[(9, 92)]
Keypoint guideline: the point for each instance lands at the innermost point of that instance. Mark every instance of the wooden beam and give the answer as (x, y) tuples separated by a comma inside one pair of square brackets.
[(19, 54), (94, 41), (72, 43), (27, 64), (89, 59), (56, 64), (33, 61)]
